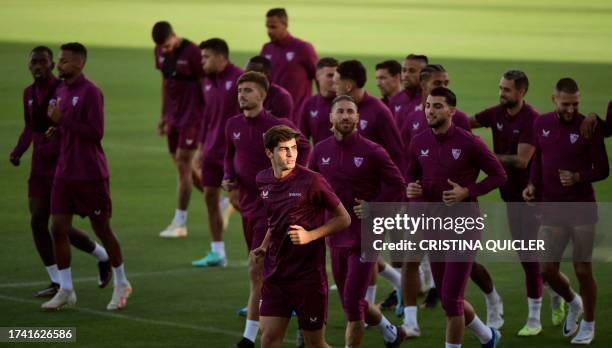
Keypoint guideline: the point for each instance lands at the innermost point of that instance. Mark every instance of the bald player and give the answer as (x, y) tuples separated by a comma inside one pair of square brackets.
[(356, 169), (388, 79), (279, 101), (81, 182), (410, 96), (45, 153), (182, 106), (563, 170), (464, 156), (219, 89), (297, 202), (312, 118), (294, 60)]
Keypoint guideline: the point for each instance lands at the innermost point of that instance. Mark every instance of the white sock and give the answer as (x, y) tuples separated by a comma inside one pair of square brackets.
[(492, 297), (388, 330), (53, 273), (576, 303), (451, 345), (587, 325), (555, 299), (65, 279), (427, 281), (391, 275), (370, 296), (119, 276), (100, 253), (218, 247), (410, 316), (478, 328), (534, 305), (250, 330), (180, 217)]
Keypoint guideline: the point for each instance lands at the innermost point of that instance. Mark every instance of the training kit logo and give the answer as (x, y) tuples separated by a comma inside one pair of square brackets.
[(207, 87), (358, 161), (325, 161), (424, 152), (268, 56), (228, 85), (295, 194), (574, 138), (314, 113), (415, 125), (456, 153), (545, 133), (290, 56), (265, 194), (75, 100), (363, 124), (236, 135), (500, 126), (398, 108), (30, 101)]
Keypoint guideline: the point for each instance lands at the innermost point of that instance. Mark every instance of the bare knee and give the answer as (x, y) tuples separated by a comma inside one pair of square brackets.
[(211, 196), (583, 270)]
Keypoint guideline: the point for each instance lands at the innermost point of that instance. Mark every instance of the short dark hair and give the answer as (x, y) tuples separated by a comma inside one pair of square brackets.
[(449, 96), (219, 46), (161, 32), (353, 70), (567, 85), (265, 63), (327, 62), (277, 134), (429, 70), (278, 12), (519, 77), (420, 57), (255, 77), (392, 66), (342, 98), (76, 48), (43, 49)]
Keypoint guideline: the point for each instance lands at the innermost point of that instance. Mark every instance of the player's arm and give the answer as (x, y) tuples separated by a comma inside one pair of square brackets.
[(283, 106), (535, 171), (474, 123), (414, 173), (229, 176), (161, 124), (392, 141), (340, 220), (310, 62), (93, 127), (302, 120), (391, 175), (258, 253), (24, 141), (521, 159), (599, 170), (486, 161)]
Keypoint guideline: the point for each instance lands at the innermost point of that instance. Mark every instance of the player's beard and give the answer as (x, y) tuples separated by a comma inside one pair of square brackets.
[(345, 127), (507, 103), (64, 75), (567, 117), (437, 123), (247, 106)]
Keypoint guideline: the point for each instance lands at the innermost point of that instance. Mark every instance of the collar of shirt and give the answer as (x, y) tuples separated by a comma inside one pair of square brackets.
[(445, 136), (284, 41), (76, 83), (348, 141)]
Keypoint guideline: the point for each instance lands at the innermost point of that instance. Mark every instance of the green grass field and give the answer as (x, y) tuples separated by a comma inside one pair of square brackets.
[(175, 305)]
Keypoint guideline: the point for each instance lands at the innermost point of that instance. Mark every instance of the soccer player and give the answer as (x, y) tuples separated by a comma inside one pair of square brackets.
[(219, 87), (375, 119), (294, 60), (278, 100), (563, 170), (178, 60), (587, 128), (356, 169), (388, 79), (464, 156), (45, 152), (511, 123), (296, 201), (312, 118), (81, 182), (410, 96), (244, 158)]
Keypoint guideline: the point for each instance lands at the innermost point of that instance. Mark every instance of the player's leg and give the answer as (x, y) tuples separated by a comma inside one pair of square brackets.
[(315, 338), (357, 277), (583, 238), (339, 258), (196, 170), (178, 226), (81, 241), (39, 223), (273, 331), (370, 295), (495, 307), (411, 286), (65, 296)]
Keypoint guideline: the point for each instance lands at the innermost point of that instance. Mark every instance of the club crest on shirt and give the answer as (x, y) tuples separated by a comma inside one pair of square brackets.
[(424, 152), (363, 124), (398, 108), (456, 153), (207, 87), (325, 160), (236, 135), (545, 133), (358, 161), (418, 107), (500, 126), (313, 319), (314, 113), (415, 125), (290, 56), (265, 194), (573, 137), (228, 85), (268, 56), (75, 100)]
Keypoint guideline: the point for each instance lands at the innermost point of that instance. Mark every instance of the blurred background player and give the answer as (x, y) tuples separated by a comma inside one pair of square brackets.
[(182, 105), (293, 60), (279, 101), (81, 183), (313, 117), (564, 167), (410, 96), (219, 89), (296, 201), (388, 79), (244, 158), (45, 152), (356, 169)]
